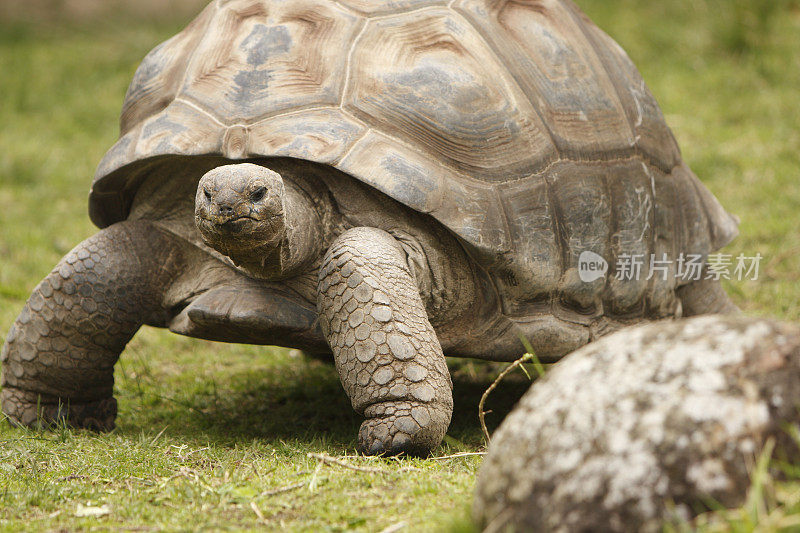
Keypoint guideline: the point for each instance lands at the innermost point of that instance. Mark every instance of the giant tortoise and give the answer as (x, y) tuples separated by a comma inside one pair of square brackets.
[(389, 180)]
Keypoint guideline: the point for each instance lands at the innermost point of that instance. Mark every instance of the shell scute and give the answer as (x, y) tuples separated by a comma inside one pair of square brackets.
[(282, 56), (158, 78), (532, 272), (178, 129), (429, 79), (473, 208), (652, 136), (583, 207), (662, 262), (631, 202), (547, 53), (323, 135)]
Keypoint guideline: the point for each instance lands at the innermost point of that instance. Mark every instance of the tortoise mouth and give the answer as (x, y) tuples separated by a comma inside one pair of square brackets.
[(234, 222), (237, 234), (231, 231), (228, 224), (235, 225)]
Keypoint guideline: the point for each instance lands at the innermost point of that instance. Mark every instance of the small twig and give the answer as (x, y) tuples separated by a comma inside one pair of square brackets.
[(141, 480), (394, 528), (455, 455), (256, 510), (152, 442), (504, 373), (184, 457), (71, 477), (312, 485), (281, 490), (325, 458)]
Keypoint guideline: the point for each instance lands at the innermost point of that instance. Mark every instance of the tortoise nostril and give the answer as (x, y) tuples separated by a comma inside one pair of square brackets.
[(225, 210)]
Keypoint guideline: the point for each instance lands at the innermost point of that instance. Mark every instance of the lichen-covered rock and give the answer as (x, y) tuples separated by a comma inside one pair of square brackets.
[(643, 426)]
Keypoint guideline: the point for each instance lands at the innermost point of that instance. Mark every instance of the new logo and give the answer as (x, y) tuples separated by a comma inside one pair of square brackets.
[(591, 266)]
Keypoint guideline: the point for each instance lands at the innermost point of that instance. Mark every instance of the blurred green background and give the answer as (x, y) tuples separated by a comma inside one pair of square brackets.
[(216, 435)]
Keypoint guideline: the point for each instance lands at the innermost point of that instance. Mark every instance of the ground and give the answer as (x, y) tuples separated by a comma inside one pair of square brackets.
[(216, 436)]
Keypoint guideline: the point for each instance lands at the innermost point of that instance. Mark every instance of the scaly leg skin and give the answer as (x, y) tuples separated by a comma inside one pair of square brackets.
[(386, 351), (59, 355)]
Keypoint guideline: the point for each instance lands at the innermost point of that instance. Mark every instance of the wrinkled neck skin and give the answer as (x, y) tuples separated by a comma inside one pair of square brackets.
[(292, 253)]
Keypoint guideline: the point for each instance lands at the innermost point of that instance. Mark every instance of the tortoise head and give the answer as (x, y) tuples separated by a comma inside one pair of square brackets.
[(239, 210)]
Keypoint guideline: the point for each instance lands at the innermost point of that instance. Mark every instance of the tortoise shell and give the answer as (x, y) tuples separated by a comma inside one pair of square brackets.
[(520, 126)]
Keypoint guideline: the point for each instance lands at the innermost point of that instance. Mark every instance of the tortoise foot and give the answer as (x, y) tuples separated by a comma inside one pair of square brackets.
[(29, 409), (407, 428)]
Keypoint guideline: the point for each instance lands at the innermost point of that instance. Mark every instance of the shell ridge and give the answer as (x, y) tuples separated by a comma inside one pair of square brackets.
[(538, 174), (346, 154), (294, 110), (129, 100), (619, 67), (194, 105), (186, 41), (125, 143), (345, 7), (504, 218), (641, 157), (651, 285), (348, 65), (451, 168), (392, 12), (298, 110), (613, 229), (404, 12), (352, 116), (680, 237), (558, 231)]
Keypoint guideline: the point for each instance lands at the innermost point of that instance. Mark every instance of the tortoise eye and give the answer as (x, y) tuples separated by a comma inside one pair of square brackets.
[(207, 194), (258, 194)]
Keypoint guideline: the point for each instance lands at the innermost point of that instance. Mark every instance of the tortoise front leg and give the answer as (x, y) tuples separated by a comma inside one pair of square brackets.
[(59, 355), (386, 351)]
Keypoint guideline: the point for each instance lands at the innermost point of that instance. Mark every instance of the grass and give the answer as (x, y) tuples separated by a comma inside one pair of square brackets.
[(210, 434)]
